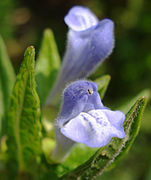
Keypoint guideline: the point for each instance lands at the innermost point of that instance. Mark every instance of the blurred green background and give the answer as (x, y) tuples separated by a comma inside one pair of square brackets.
[(22, 23)]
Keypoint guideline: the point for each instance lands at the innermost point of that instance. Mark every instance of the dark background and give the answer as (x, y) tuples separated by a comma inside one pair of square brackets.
[(22, 23)]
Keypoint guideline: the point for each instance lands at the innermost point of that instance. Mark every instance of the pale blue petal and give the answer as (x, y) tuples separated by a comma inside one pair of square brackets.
[(80, 18), (116, 118), (85, 51), (101, 46), (92, 129)]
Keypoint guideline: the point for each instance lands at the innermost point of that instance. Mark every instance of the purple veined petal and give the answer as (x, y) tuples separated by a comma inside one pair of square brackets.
[(80, 18), (92, 129)]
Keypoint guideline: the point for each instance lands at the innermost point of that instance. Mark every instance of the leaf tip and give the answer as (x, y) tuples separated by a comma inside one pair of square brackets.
[(108, 77), (47, 30), (48, 33), (31, 47), (143, 99), (30, 51)]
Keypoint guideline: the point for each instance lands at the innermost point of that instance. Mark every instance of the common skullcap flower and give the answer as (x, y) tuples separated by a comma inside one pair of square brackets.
[(84, 119), (89, 42)]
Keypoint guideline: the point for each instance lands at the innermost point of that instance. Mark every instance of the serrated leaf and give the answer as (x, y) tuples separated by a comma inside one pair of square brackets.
[(110, 154), (103, 83), (7, 79), (24, 127), (47, 67)]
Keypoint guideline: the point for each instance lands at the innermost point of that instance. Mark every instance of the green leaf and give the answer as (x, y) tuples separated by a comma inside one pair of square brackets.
[(109, 155), (7, 79), (103, 83), (47, 67), (24, 127)]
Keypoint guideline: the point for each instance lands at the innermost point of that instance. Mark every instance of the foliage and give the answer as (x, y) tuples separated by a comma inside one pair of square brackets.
[(47, 65), (7, 78), (24, 127), (24, 135)]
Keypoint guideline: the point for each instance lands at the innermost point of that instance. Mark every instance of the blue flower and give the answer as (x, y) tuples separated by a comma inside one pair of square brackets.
[(89, 42), (84, 119)]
